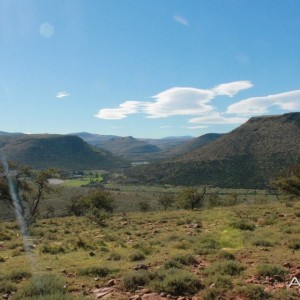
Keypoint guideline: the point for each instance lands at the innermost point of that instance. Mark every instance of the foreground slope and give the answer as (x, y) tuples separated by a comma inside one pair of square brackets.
[(248, 157), (60, 151)]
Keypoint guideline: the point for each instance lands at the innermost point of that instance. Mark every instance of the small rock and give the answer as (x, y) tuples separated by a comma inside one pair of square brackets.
[(5, 296), (150, 296), (136, 297), (287, 265), (278, 278), (140, 267), (181, 298), (111, 282), (48, 268)]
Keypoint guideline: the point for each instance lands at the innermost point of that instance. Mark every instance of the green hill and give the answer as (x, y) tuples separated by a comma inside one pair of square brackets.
[(127, 146), (248, 157), (61, 151)]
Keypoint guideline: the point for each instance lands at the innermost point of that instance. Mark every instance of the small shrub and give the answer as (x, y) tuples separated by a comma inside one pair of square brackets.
[(243, 225), (226, 255), (253, 292), (177, 282), (136, 256), (231, 268), (295, 245), (95, 271), (6, 287), (144, 205), (4, 236), (263, 243), (114, 256), (297, 213), (18, 275), (132, 280), (53, 249), (42, 285), (270, 270), (213, 294), (180, 260), (2, 259), (286, 294), (207, 245)]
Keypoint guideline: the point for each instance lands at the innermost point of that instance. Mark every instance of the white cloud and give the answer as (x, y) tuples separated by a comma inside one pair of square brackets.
[(288, 101), (180, 101), (217, 118), (194, 127), (232, 88), (176, 101), (62, 94), (126, 108), (180, 20)]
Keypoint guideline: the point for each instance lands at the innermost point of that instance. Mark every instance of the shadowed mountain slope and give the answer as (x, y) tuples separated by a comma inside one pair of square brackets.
[(65, 152), (248, 157)]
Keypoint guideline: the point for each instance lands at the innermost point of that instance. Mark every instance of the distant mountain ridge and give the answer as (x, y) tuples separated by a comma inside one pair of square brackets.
[(247, 157), (60, 151)]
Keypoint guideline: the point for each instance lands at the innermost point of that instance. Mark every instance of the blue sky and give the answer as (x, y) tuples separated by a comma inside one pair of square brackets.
[(150, 68)]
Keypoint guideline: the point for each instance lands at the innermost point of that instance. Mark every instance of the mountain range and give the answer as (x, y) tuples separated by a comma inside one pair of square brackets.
[(248, 157)]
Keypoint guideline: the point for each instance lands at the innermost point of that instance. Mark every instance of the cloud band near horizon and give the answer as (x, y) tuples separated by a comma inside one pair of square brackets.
[(197, 103)]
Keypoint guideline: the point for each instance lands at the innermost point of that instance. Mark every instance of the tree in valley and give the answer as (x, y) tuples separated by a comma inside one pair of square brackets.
[(96, 205), (190, 198), (289, 181), (24, 189), (166, 200)]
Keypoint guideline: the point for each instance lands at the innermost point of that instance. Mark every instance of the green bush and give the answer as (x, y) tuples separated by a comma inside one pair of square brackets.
[(4, 236), (295, 245), (179, 260), (207, 245), (53, 249), (176, 282), (263, 243), (136, 256), (133, 279), (213, 294), (95, 271), (18, 275), (270, 270), (226, 255), (6, 287), (231, 268), (41, 285), (220, 282), (243, 225), (114, 256), (253, 292)]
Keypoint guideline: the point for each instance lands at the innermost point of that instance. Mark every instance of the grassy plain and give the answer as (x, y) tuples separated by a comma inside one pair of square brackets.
[(250, 250)]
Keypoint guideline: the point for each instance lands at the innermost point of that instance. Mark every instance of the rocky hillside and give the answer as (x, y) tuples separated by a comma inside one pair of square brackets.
[(248, 157)]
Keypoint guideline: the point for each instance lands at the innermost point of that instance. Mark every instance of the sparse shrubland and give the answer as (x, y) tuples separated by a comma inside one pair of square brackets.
[(208, 252)]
